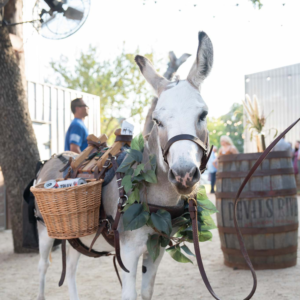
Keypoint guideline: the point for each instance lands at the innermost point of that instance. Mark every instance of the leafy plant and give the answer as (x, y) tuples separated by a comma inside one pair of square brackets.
[(137, 214)]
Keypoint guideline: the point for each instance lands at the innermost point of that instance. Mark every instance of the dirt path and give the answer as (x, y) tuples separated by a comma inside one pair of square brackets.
[(97, 280)]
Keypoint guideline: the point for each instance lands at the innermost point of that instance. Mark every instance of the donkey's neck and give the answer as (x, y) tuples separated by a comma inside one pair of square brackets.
[(162, 193)]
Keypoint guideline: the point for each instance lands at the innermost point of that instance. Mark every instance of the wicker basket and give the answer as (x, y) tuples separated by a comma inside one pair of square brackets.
[(71, 212)]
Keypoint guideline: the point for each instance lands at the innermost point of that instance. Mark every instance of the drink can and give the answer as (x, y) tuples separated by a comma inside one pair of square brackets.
[(50, 184), (70, 182), (64, 184)]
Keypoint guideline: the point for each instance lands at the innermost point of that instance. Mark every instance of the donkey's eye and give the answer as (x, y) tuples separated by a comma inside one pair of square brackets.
[(203, 116), (159, 124)]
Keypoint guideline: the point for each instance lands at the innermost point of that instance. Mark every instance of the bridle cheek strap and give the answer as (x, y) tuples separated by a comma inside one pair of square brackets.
[(188, 137)]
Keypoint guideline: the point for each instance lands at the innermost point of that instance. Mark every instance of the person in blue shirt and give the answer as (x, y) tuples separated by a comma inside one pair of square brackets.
[(76, 137), (212, 170)]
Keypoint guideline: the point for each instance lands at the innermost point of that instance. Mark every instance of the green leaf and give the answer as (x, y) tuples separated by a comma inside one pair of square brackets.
[(138, 143), (150, 176), (152, 159), (138, 169), (206, 207), (201, 195), (138, 178), (207, 223), (179, 221), (134, 196), (135, 155), (205, 236), (126, 207), (153, 246), (176, 254), (126, 164), (126, 182), (186, 249), (129, 171), (162, 221), (135, 217), (164, 242)]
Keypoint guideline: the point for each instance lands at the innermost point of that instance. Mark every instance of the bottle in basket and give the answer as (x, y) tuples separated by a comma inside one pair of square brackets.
[(50, 184), (65, 183)]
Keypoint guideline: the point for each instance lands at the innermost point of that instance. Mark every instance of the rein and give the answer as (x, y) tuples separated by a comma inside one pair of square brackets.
[(193, 205)]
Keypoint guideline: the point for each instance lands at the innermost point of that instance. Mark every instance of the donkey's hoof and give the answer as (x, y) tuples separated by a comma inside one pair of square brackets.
[(40, 298)]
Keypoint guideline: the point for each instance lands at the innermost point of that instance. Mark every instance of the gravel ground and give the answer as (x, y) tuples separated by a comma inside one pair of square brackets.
[(96, 278)]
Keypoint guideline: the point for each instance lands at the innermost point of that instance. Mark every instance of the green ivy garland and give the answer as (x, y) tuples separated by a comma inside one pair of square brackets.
[(137, 214)]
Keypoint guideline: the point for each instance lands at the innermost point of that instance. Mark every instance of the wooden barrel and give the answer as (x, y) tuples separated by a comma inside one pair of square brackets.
[(267, 212)]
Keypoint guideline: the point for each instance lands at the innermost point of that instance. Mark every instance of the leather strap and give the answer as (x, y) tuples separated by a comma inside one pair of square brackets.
[(81, 248), (123, 138), (122, 200), (175, 211), (193, 214), (188, 137), (181, 137), (64, 263), (116, 270)]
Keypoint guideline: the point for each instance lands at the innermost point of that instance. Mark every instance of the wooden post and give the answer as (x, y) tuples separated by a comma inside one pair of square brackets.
[(86, 152), (115, 149)]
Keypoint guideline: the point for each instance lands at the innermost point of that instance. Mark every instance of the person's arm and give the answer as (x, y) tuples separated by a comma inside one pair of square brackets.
[(75, 148), (215, 163)]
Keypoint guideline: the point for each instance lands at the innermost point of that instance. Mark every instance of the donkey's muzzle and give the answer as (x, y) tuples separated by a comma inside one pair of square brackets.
[(184, 179)]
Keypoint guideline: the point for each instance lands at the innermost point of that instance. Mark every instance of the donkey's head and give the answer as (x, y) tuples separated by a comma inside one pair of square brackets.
[(181, 110)]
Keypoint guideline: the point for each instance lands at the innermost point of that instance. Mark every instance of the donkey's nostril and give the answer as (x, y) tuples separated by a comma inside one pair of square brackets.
[(172, 176), (195, 175)]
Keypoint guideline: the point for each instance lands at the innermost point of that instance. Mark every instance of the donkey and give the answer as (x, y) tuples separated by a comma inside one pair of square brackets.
[(180, 110)]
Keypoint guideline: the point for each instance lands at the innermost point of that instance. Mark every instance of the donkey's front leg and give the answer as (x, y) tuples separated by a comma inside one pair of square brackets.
[(72, 262), (133, 245), (45, 246), (149, 270)]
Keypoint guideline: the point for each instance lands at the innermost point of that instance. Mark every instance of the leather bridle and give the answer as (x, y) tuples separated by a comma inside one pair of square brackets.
[(188, 137)]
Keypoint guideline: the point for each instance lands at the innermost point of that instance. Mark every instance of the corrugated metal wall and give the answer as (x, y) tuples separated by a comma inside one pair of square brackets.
[(279, 91), (51, 115)]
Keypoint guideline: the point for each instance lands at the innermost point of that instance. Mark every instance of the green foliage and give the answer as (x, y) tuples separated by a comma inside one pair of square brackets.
[(137, 143), (135, 217), (118, 83), (176, 254), (162, 221), (137, 214), (150, 176), (230, 124)]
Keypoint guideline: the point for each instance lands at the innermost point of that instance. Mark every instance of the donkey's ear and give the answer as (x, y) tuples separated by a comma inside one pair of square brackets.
[(204, 60), (157, 81)]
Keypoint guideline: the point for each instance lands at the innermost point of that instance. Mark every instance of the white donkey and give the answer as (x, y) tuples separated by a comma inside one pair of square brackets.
[(180, 110)]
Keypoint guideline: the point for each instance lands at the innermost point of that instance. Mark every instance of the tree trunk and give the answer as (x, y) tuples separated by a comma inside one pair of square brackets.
[(18, 148), (13, 13), (172, 68)]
